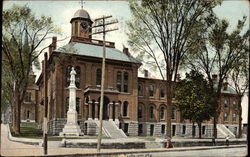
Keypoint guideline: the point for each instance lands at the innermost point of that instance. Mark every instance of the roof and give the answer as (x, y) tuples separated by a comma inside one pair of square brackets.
[(91, 50), (228, 91), (82, 14)]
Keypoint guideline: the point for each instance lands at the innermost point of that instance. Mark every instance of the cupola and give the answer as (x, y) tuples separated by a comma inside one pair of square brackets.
[(81, 24)]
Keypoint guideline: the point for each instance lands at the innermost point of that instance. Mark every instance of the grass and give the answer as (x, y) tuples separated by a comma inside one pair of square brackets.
[(30, 130), (148, 138)]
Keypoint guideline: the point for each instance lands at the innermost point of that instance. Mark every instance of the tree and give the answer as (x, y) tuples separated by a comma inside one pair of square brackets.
[(160, 31), (195, 98), (217, 52), (23, 33), (239, 81)]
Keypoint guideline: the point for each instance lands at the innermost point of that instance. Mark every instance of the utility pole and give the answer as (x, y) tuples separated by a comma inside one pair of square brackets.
[(45, 120), (100, 24)]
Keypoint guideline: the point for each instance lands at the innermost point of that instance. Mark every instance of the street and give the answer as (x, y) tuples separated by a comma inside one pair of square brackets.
[(228, 152)]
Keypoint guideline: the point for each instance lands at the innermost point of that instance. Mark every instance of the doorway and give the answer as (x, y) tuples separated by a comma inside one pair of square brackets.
[(105, 112)]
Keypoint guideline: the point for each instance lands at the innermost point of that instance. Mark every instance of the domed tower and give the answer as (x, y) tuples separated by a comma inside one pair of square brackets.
[(81, 24)]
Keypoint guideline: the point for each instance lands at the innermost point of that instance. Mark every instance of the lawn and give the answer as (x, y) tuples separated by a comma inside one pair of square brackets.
[(30, 130)]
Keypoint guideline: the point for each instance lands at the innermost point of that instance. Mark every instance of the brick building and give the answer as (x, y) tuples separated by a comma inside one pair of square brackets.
[(132, 105)]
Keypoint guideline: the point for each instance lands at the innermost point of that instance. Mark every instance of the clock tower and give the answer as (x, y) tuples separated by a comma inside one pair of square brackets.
[(81, 24)]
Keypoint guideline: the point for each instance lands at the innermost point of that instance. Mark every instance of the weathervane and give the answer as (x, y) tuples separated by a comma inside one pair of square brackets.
[(82, 3)]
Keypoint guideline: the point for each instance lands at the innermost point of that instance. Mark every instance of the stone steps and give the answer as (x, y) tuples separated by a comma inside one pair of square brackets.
[(113, 130)]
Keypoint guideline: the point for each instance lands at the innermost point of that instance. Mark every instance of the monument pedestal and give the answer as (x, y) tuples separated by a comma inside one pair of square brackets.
[(71, 128)]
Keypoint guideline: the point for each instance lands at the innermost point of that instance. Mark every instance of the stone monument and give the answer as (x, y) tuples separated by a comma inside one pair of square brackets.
[(72, 128)]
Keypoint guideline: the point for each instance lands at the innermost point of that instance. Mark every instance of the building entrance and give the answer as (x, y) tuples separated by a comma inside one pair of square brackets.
[(105, 113)]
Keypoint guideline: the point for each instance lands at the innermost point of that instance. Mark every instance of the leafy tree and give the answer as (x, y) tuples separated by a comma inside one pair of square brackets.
[(239, 81), (161, 30), (23, 33), (217, 52), (195, 98)]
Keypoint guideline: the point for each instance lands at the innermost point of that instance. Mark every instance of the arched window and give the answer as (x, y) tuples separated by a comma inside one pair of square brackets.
[(78, 105), (140, 90), (139, 111), (173, 113), (118, 80), (67, 105), (125, 108), (162, 112), (151, 112), (151, 90), (98, 76), (76, 28), (225, 116), (68, 70), (162, 92), (125, 83), (234, 116), (78, 77)]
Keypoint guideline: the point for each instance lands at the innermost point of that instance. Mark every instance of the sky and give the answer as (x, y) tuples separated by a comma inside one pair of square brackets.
[(62, 11)]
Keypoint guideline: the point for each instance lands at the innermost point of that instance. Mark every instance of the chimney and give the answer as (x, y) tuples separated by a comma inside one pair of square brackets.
[(215, 78), (50, 49), (146, 73), (225, 85), (54, 40), (125, 50)]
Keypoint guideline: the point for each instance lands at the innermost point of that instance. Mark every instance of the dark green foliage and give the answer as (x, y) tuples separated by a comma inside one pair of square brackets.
[(195, 98)]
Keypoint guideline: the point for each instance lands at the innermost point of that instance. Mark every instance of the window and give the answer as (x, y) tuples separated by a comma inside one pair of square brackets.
[(125, 83), (78, 105), (151, 130), (68, 70), (234, 117), (67, 105), (163, 129), (125, 128), (183, 129), (125, 108), (28, 114), (162, 92), (98, 76), (162, 113), (140, 111), (173, 113), (28, 97), (225, 103), (151, 90), (78, 76), (151, 112), (76, 28), (203, 130), (225, 116), (118, 80), (140, 90), (140, 129)]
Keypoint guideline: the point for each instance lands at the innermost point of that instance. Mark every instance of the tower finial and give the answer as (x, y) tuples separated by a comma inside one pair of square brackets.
[(82, 4)]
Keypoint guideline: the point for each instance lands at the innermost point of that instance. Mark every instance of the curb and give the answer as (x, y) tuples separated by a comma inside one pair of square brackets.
[(22, 140)]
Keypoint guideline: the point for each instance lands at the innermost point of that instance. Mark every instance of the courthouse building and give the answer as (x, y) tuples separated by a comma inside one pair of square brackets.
[(132, 105)]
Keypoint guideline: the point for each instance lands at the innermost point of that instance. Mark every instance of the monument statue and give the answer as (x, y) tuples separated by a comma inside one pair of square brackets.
[(72, 128)]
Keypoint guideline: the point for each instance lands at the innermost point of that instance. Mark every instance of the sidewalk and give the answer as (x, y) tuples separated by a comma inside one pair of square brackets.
[(10, 148)]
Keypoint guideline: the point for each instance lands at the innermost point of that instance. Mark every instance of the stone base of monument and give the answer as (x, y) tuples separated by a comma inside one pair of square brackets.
[(71, 128)]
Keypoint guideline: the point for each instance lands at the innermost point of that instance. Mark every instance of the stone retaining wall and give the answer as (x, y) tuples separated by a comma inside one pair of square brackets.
[(125, 145)]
